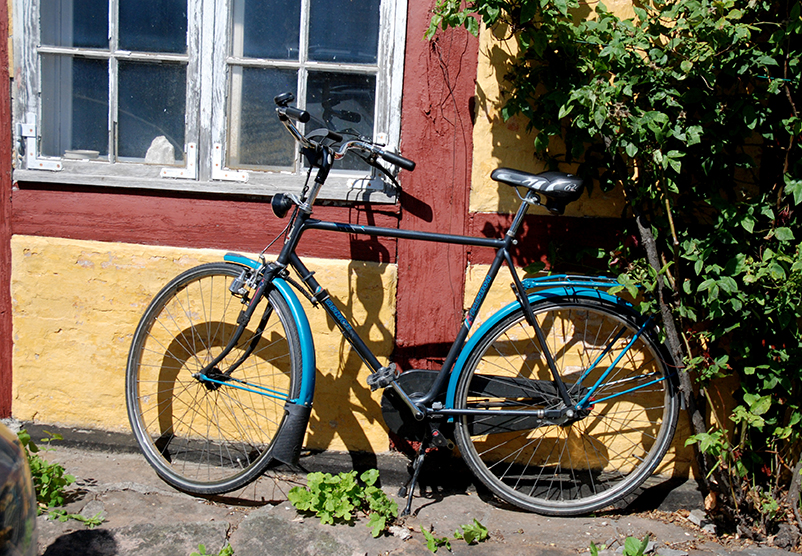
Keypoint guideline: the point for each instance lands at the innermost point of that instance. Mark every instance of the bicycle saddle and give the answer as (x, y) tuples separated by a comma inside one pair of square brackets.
[(559, 188)]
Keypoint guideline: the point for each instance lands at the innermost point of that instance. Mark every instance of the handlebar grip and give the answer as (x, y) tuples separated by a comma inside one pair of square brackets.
[(398, 160), (297, 114)]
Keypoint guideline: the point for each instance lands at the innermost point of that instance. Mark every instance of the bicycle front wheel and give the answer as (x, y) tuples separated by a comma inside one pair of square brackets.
[(210, 436), (608, 449)]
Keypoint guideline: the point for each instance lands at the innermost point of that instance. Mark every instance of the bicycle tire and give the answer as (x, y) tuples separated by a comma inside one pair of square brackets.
[(203, 437), (606, 453)]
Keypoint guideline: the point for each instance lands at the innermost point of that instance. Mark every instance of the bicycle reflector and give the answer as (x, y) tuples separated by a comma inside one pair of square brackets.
[(281, 204)]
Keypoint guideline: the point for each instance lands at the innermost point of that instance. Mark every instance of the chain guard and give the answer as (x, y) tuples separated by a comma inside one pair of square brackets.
[(397, 416)]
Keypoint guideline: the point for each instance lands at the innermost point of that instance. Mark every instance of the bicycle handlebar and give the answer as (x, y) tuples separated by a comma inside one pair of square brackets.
[(287, 113), (297, 114)]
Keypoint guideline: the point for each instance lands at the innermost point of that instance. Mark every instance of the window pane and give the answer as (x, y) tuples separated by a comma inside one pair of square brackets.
[(266, 28), (152, 102), (153, 25), (344, 103), (80, 23), (345, 31), (75, 106), (256, 137)]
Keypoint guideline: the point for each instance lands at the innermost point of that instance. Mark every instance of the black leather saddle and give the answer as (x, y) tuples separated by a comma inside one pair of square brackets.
[(559, 188)]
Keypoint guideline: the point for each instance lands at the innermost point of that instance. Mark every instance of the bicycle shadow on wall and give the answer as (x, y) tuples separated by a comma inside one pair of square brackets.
[(170, 398), (344, 405)]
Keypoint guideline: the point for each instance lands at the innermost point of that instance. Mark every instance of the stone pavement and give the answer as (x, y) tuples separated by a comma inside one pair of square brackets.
[(145, 516)]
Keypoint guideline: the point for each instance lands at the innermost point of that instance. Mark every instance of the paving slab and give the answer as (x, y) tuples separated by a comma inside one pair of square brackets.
[(144, 515)]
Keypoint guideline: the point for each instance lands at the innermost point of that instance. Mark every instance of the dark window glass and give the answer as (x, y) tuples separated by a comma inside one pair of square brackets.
[(153, 25), (75, 107), (271, 28), (256, 136), (344, 103), (345, 31), (78, 23), (152, 104)]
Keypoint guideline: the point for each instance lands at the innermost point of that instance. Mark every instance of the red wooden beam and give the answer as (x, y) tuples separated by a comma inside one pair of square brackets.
[(436, 132), (159, 218), (6, 338)]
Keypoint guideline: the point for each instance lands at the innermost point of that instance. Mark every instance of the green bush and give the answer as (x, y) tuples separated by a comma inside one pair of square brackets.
[(691, 107)]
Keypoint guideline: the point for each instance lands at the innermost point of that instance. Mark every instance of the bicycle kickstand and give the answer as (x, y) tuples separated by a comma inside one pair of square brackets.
[(408, 489)]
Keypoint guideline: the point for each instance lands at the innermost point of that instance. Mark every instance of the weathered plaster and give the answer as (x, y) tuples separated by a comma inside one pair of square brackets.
[(76, 304)]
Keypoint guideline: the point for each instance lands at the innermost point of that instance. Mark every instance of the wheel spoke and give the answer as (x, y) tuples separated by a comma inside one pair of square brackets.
[(200, 436), (607, 450)]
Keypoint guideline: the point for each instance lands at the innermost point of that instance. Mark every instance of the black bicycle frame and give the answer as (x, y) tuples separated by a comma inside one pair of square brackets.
[(303, 222)]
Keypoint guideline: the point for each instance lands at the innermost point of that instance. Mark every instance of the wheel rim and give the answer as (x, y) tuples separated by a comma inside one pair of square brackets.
[(196, 433), (601, 457)]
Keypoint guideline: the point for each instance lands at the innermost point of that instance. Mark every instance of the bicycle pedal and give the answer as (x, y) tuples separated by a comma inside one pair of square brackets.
[(382, 378)]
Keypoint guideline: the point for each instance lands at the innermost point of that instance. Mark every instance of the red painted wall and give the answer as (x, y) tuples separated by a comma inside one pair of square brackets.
[(6, 339), (159, 218)]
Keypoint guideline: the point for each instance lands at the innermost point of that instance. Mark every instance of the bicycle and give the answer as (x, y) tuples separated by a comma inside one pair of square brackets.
[(561, 403)]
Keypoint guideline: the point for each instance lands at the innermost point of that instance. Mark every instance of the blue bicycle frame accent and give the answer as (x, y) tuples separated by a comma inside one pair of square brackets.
[(569, 287), (261, 390), (307, 392)]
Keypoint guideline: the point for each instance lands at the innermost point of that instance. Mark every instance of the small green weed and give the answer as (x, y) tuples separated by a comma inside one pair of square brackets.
[(433, 543), (226, 551), (90, 522), (49, 479), (632, 547), (474, 532), (341, 497)]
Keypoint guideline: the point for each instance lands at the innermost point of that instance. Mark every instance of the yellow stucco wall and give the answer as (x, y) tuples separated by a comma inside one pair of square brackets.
[(677, 462), (497, 143), (76, 304)]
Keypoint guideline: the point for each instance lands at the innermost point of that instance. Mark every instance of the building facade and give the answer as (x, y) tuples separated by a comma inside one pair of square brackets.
[(140, 140)]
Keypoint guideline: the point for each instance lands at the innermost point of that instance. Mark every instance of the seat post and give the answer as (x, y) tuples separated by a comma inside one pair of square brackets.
[(531, 198)]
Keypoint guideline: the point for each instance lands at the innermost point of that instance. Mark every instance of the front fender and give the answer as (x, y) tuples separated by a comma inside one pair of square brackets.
[(552, 293), (307, 391)]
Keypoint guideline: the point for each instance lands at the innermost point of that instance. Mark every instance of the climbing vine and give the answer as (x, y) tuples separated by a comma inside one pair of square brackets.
[(691, 107)]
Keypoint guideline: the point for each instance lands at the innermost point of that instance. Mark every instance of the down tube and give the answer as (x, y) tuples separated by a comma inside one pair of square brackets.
[(323, 297)]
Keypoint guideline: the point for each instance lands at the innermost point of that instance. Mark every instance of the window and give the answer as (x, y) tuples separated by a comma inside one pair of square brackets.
[(179, 94)]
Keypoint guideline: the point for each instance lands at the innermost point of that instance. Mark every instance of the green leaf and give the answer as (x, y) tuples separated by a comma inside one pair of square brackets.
[(472, 25), (541, 142), (377, 524), (635, 547), (762, 406), (433, 543), (748, 223), (370, 477), (784, 234), (794, 187), (706, 285), (474, 532)]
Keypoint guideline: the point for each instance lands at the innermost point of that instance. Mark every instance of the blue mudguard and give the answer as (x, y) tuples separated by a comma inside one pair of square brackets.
[(307, 391), (567, 287)]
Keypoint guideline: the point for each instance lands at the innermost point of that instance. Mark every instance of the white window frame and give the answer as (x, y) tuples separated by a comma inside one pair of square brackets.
[(203, 169)]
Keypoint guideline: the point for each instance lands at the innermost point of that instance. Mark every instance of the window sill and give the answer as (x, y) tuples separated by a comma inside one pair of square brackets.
[(337, 188)]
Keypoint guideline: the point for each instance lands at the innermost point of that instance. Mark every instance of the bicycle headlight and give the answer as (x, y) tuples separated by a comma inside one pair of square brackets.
[(281, 204)]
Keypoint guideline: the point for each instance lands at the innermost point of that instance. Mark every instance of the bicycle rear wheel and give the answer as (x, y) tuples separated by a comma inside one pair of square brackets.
[(611, 447), (201, 436)]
